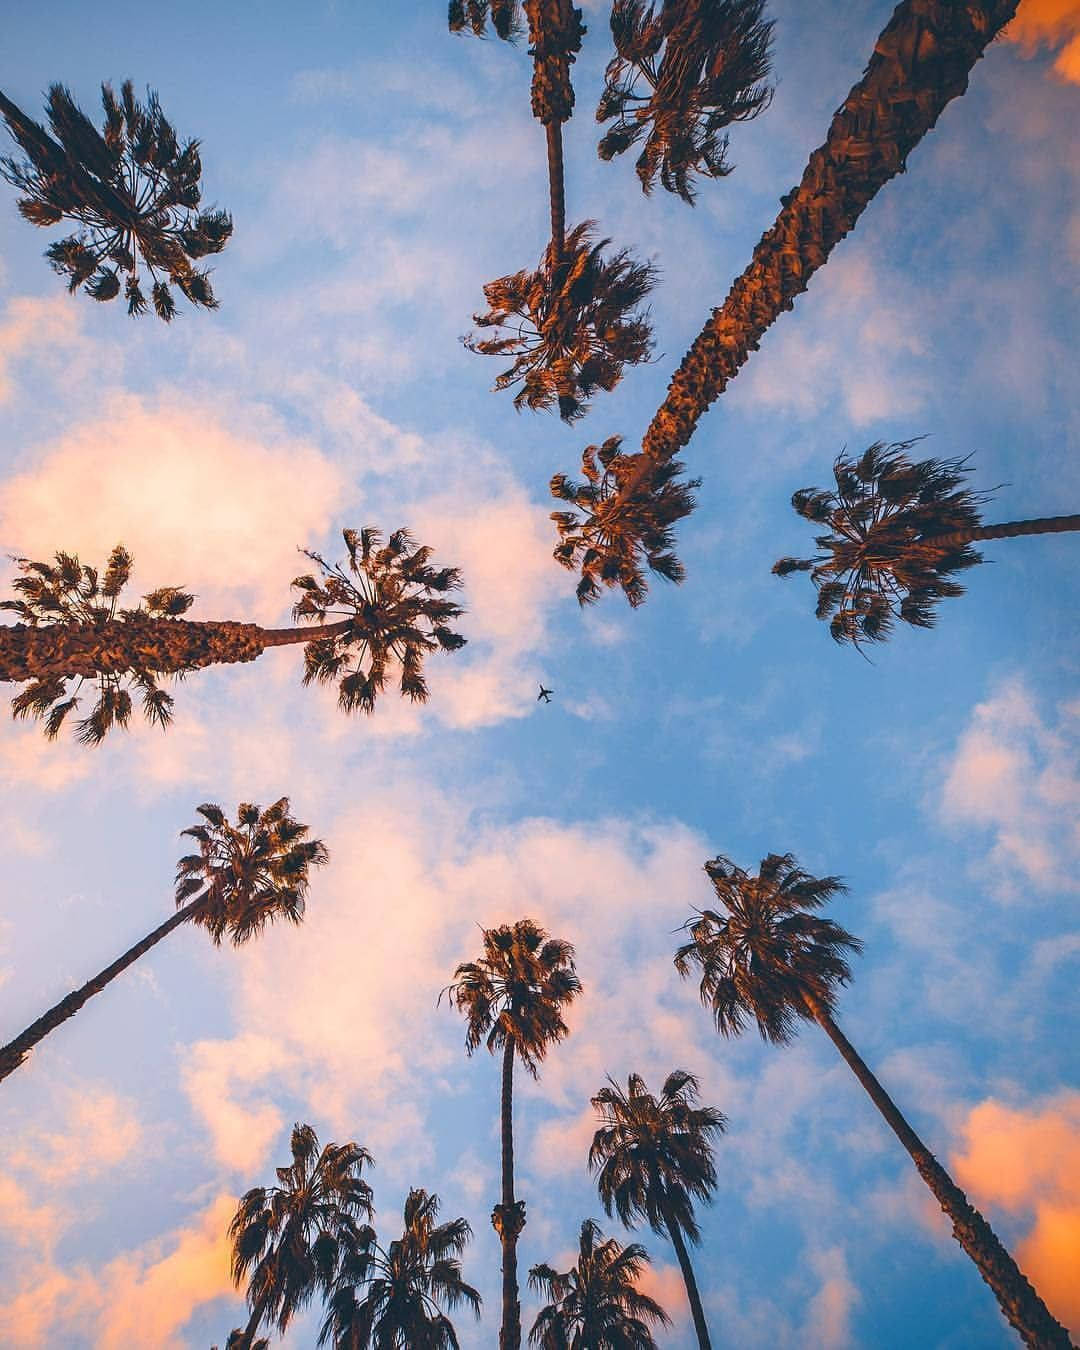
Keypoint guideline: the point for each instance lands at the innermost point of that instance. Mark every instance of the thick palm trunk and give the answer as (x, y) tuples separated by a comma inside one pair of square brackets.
[(1019, 1302), (1010, 530), (921, 61), (160, 645), (696, 1310), (509, 1223), (13, 1054)]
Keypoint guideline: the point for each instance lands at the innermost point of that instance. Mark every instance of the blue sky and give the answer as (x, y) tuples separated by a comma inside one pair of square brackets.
[(379, 172)]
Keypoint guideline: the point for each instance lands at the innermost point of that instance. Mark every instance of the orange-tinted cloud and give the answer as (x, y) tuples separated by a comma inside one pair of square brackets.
[(1028, 1162), (1050, 23)]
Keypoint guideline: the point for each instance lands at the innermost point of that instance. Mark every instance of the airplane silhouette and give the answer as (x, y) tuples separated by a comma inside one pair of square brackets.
[(544, 694)]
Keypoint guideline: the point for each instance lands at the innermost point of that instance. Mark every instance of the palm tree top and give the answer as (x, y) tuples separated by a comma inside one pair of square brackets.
[(472, 16), (248, 874), (134, 191), (595, 1303), (653, 1154), (766, 954), (620, 532), (704, 64), (516, 991), (884, 556)]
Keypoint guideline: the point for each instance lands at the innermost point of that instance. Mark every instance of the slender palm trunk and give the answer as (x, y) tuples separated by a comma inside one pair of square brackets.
[(1019, 1302), (253, 1323), (687, 1269), (13, 1054), (556, 189), (921, 61), (510, 1332), (69, 650), (1010, 530)]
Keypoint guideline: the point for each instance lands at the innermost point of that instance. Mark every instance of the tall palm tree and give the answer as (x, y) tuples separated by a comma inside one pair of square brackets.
[(767, 957), (570, 326), (242, 878), (235, 1341), (611, 540), (711, 71), (921, 61), (391, 611), (513, 999), (132, 189), (292, 1240), (596, 1305), (653, 1157), (899, 531), (392, 1298)]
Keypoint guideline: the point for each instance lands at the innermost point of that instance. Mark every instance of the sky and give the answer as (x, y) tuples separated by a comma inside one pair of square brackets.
[(379, 171)]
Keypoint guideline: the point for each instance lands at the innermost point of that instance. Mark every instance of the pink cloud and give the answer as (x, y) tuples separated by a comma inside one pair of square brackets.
[(1042, 24)]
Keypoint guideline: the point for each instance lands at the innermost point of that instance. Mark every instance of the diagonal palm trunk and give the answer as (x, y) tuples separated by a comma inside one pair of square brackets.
[(13, 1054), (698, 1313), (921, 61), (248, 1338), (1009, 530), (160, 645), (1017, 1299), (510, 1221)]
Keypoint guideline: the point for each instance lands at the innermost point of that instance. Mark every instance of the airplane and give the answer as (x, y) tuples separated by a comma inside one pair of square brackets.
[(544, 694)]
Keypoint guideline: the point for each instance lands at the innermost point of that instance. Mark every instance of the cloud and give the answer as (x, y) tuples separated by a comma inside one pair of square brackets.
[(1027, 1161), (100, 1131), (47, 330), (829, 1323), (1041, 24)]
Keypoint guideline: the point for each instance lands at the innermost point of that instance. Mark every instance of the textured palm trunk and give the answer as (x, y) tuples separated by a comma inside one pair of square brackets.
[(921, 61), (253, 1323), (696, 1310), (556, 188), (553, 39), (510, 1332), (13, 1054), (1010, 530), (163, 646), (1017, 1299)]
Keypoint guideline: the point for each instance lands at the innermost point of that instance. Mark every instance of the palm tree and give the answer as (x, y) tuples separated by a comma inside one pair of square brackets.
[(921, 61), (513, 999), (570, 325), (595, 1305), (391, 611), (899, 532), (242, 878), (403, 1287), (712, 72), (294, 1238), (473, 15), (611, 540), (769, 958), (653, 1157), (132, 189), (235, 1341)]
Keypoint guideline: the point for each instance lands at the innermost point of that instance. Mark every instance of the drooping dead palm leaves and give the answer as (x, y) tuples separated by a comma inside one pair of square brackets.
[(704, 63), (472, 15), (570, 325), (133, 190), (617, 535)]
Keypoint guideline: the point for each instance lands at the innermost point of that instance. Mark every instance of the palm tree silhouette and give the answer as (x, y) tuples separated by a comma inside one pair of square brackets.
[(393, 1297), (767, 957), (899, 531), (513, 999), (389, 613), (595, 1305), (133, 190), (292, 1240), (710, 72), (653, 1157), (242, 878)]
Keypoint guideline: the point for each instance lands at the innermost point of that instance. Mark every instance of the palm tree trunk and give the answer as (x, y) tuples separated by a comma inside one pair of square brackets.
[(1010, 530), (1019, 1302), (253, 1323), (507, 1227), (687, 1269), (921, 61), (556, 189), (13, 1054), (161, 645)]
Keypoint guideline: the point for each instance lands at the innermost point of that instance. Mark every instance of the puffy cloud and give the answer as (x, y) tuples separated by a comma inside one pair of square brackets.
[(830, 1308), (100, 1131), (1041, 24), (46, 330)]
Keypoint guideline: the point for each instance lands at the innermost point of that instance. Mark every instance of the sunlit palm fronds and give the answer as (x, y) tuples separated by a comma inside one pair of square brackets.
[(134, 191), (704, 64)]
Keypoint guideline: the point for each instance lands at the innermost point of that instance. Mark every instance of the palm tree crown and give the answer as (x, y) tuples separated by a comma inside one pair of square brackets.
[(293, 1238), (885, 557), (391, 1298), (710, 73), (569, 325), (617, 533), (472, 15), (595, 1305), (768, 956), (134, 191), (247, 875)]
